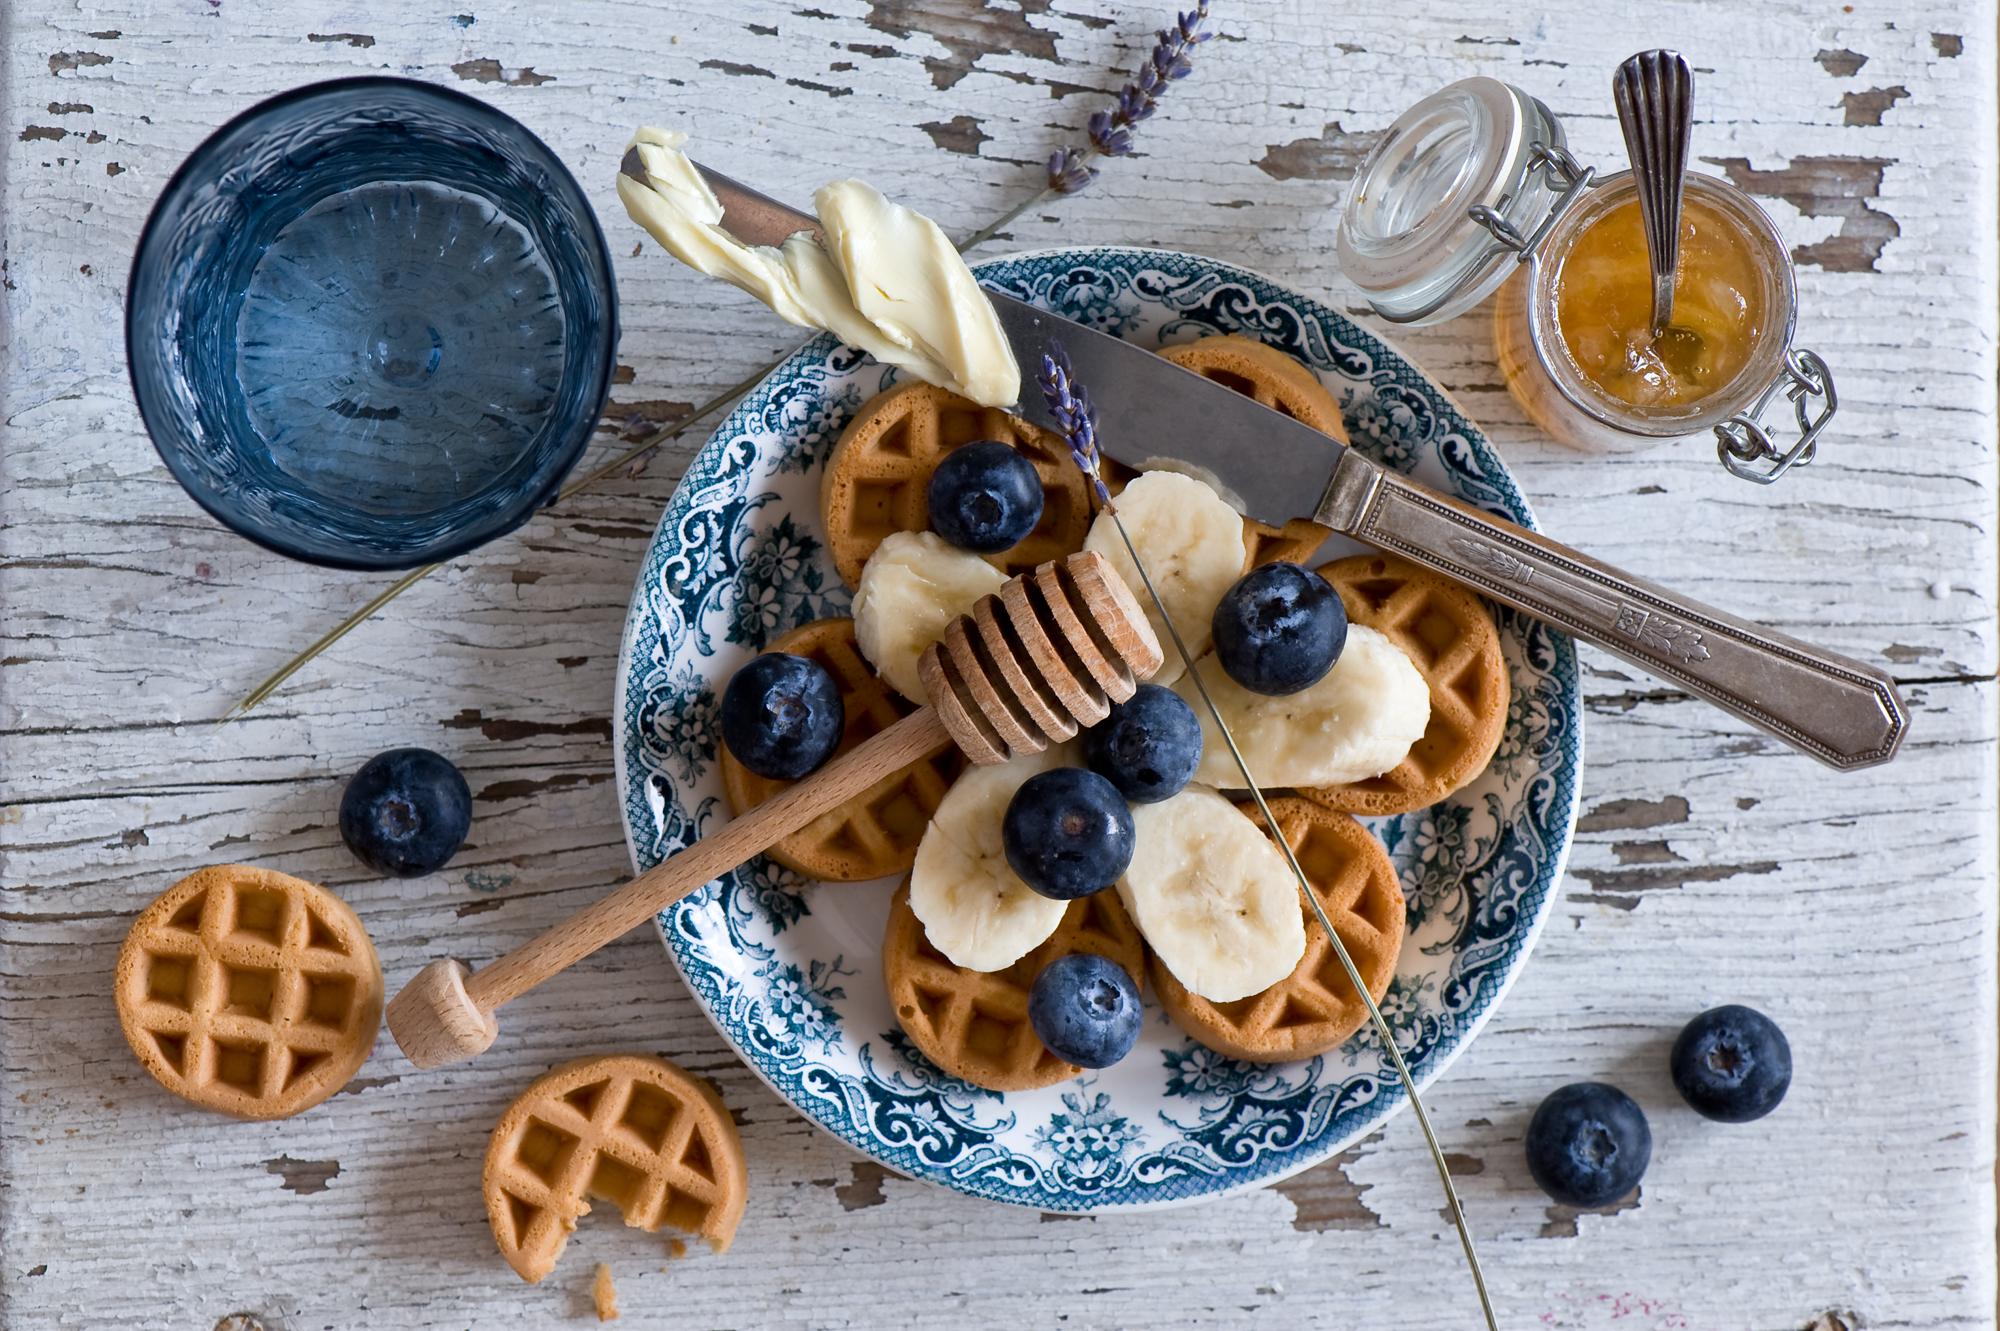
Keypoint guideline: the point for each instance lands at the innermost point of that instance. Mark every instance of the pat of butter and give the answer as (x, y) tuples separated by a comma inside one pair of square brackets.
[(886, 281)]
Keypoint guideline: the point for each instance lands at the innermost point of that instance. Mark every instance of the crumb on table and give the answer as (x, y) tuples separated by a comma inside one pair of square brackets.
[(604, 1294)]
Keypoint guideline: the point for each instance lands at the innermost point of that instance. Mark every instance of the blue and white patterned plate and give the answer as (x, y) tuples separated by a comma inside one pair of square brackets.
[(790, 971)]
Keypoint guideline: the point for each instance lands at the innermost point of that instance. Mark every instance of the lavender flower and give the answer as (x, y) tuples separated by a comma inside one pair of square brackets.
[(1067, 172), (1110, 132), (1069, 403)]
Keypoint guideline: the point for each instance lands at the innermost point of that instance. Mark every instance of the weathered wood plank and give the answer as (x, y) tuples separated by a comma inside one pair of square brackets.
[(1712, 865)]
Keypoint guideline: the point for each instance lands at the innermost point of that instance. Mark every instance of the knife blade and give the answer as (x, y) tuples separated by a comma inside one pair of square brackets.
[(1840, 711)]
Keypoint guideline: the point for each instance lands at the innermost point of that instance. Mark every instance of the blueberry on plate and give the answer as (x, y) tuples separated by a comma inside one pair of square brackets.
[(1148, 747), (782, 716), (1067, 833), (406, 812), (1732, 1064), (985, 497), (1588, 1144), (1085, 1010), (1279, 629)]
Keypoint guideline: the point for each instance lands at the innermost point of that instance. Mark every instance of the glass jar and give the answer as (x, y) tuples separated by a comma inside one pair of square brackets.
[(1474, 182)]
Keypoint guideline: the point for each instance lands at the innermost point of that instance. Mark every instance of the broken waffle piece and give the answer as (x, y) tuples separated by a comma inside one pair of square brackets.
[(249, 992), (624, 1128)]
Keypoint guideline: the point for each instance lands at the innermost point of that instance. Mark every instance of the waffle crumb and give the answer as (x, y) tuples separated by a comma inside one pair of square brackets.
[(677, 1248), (604, 1294)]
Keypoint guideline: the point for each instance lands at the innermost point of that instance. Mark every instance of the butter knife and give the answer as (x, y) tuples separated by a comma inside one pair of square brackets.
[(1843, 712)]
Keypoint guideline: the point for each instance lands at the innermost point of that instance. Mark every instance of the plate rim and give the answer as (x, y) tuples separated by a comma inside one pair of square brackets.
[(1391, 1094)]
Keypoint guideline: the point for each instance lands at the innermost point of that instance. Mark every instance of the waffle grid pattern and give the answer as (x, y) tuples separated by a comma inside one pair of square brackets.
[(974, 1024), (249, 992), (876, 833), (877, 481), (634, 1131)]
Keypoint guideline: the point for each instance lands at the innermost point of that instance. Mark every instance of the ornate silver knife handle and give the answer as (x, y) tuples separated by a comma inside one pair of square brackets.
[(1846, 714)]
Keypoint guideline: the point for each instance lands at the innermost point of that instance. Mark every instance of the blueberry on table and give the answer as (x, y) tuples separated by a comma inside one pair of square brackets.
[(1148, 747), (406, 812), (782, 716), (1085, 1010), (1732, 1064), (1588, 1144), (985, 497), (1279, 629), (1067, 833)]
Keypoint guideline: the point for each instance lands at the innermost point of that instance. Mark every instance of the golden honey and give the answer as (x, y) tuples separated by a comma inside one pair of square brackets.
[(1604, 308)]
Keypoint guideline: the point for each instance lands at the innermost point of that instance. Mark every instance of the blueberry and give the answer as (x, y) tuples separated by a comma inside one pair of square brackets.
[(985, 497), (782, 716), (406, 812), (1085, 1009), (1732, 1064), (1588, 1144), (1148, 747), (1067, 833), (1279, 629)]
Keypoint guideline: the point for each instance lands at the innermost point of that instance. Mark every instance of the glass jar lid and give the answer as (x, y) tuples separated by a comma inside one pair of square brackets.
[(1407, 238)]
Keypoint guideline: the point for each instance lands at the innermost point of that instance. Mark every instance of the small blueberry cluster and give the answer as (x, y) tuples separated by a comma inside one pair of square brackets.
[(1111, 129), (1069, 403)]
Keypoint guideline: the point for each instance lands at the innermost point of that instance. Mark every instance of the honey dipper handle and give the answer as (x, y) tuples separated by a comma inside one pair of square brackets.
[(583, 933), (1842, 712)]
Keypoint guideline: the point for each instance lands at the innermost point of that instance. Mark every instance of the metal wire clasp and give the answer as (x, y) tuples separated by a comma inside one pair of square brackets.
[(1570, 179), (1741, 443)]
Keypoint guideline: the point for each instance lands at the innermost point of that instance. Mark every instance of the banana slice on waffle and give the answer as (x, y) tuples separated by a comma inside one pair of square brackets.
[(975, 909), (1313, 1009), (1192, 543), (1360, 719), (1212, 895), (1449, 636)]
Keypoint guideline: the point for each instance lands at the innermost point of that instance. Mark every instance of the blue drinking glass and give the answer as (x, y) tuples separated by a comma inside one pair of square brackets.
[(371, 324)]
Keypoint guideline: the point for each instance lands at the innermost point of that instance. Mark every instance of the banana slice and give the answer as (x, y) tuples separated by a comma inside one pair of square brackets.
[(1192, 543), (911, 588), (974, 909), (1359, 721), (1213, 896)]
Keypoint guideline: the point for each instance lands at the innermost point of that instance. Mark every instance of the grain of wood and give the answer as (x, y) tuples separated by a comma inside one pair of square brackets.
[(1714, 865)]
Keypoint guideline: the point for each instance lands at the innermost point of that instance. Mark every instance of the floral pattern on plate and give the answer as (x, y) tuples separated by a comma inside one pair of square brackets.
[(789, 970)]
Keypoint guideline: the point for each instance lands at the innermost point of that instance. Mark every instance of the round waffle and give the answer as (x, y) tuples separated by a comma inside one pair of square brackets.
[(878, 478), (1281, 383), (876, 833), (1449, 635), (974, 1024), (1315, 1008), (249, 992), (625, 1128)]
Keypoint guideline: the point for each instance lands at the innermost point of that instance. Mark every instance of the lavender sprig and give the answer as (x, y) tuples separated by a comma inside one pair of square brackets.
[(1067, 172), (1110, 130), (1069, 403)]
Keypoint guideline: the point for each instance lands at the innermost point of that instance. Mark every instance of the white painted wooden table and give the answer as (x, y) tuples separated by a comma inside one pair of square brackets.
[(1712, 864)]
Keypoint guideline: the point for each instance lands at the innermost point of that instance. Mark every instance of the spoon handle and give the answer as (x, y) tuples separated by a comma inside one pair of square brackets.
[(1654, 91)]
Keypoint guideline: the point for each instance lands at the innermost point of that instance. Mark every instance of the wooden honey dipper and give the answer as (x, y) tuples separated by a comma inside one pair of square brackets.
[(1048, 653)]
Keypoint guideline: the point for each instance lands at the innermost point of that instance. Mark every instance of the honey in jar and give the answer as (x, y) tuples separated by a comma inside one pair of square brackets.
[(1574, 335), (1604, 307)]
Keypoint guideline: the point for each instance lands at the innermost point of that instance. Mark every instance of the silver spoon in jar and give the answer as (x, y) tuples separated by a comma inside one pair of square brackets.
[(1654, 91)]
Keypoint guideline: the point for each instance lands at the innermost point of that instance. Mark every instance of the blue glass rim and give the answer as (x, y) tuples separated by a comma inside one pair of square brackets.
[(214, 157)]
